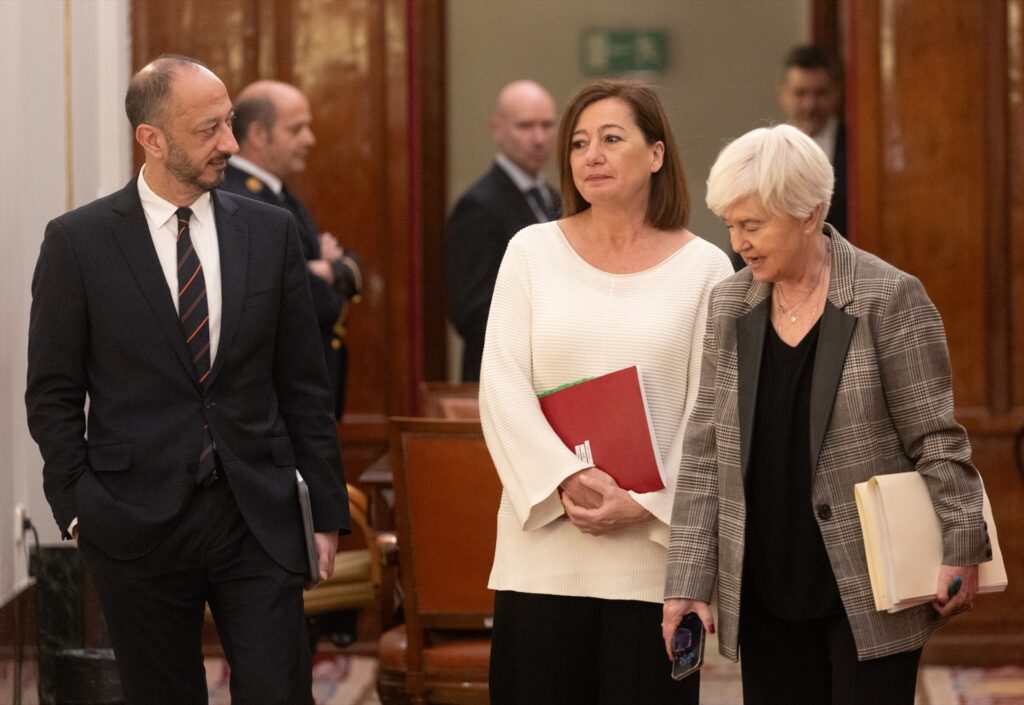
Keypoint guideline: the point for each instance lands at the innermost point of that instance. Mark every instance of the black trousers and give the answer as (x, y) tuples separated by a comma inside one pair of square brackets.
[(553, 650), (154, 607), (814, 662)]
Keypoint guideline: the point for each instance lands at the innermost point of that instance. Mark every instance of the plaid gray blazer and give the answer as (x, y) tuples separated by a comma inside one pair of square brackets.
[(881, 402)]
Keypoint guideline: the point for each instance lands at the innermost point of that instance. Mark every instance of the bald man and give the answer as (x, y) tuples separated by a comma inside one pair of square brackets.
[(175, 382), (509, 197), (273, 129)]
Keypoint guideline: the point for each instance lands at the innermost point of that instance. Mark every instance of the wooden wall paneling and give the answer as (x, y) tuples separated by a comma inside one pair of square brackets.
[(224, 35), (433, 146), (414, 161), (935, 91), (931, 207), (863, 119), (335, 51), (404, 320), (825, 25), (1015, 195), (328, 50), (997, 270), (19, 629)]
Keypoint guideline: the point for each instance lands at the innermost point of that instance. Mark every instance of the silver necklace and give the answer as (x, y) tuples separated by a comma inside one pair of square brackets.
[(790, 310)]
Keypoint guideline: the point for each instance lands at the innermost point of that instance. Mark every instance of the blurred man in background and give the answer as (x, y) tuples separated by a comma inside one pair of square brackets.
[(510, 196), (272, 127), (810, 99)]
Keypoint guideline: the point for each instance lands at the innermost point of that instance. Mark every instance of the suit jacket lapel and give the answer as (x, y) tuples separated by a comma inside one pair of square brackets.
[(233, 243), (131, 233), (833, 343), (515, 198), (750, 331), (829, 359)]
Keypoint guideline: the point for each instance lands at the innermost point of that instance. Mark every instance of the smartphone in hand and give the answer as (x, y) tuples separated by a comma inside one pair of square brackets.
[(687, 646)]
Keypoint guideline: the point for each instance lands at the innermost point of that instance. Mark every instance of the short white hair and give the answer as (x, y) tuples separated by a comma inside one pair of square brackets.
[(785, 168)]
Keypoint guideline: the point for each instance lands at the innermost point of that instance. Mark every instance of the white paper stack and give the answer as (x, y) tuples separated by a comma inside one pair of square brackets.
[(903, 542)]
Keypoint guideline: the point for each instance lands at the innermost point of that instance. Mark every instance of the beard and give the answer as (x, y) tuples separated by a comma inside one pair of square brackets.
[(189, 174)]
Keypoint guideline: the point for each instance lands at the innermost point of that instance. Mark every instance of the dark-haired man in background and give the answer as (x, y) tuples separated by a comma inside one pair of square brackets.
[(809, 97), (182, 316), (272, 127)]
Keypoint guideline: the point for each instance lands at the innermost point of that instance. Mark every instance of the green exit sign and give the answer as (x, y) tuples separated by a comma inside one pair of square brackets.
[(613, 51)]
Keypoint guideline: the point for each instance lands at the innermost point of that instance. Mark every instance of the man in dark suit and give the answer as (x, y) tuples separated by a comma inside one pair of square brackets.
[(272, 127), (183, 316), (809, 97), (512, 195)]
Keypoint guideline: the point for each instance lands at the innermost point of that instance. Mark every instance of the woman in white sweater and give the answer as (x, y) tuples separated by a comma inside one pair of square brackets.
[(579, 565)]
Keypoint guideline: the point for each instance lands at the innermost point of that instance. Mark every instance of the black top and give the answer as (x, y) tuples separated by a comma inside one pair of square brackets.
[(786, 568)]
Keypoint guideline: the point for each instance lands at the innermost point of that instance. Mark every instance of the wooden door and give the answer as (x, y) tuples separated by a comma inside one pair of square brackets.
[(937, 156), (373, 71)]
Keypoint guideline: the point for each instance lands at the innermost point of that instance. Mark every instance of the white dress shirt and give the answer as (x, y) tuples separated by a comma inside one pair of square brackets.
[(826, 138), (163, 228)]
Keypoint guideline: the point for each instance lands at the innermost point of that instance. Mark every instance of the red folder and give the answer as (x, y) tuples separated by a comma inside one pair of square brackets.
[(609, 412)]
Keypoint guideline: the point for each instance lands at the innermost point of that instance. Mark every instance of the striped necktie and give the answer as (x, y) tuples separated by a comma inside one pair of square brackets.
[(538, 198), (194, 315)]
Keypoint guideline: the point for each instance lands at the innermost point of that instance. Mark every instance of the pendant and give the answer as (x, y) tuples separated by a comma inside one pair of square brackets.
[(792, 318)]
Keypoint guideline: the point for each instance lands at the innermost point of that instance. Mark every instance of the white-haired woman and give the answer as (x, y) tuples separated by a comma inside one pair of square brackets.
[(823, 366)]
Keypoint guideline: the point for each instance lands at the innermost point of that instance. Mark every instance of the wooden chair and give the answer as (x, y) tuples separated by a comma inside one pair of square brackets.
[(445, 400), (446, 501), (356, 579)]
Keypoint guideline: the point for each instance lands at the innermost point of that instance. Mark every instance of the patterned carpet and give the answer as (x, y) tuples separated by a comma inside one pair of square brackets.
[(337, 680), (971, 686), (350, 680)]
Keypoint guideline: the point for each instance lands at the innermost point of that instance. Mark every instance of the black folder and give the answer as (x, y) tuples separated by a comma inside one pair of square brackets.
[(313, 566)]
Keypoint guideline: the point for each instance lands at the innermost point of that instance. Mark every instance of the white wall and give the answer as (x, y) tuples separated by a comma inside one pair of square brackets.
[(41, 179), (724, 70)]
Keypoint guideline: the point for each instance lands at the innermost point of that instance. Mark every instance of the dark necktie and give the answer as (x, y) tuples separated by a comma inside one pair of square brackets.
[(538, 199), (194, 315)]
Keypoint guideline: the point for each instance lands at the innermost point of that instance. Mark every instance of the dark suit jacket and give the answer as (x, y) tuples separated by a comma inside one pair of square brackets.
[(103, 325), (881, 402), (484, 219), (837, 211), (325, 299), (330, 302)]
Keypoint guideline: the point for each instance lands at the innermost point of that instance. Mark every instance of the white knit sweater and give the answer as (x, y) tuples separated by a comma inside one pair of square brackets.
[(554, 319)]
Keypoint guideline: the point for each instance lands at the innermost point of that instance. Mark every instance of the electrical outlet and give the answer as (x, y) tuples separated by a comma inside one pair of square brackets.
[(20, 515)]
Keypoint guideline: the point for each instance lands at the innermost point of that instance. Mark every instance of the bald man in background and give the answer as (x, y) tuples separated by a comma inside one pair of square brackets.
[(273, 129), (509, 197)]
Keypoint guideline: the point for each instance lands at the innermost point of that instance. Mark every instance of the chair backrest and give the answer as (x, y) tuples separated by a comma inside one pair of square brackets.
[(447, 494), (445, 400)]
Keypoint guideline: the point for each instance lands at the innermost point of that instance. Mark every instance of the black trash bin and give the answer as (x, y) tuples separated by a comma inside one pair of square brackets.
[(87, 677)]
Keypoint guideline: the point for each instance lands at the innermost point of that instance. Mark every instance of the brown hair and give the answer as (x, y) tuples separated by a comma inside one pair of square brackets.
[(257, 109), (810, 57), (150, 88), (669, 204)]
